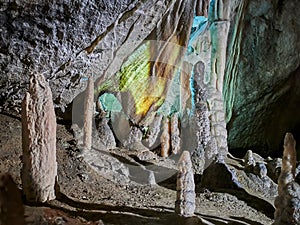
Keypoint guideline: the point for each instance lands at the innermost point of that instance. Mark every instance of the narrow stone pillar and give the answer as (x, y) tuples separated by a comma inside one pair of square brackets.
[(175, 134), (219, 26), (185, 201), (165, 139), (287, 202), (88, 115), (12, 210), (38, 142)]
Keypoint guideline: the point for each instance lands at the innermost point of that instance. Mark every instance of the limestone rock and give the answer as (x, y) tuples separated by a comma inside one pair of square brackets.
[(260, 170), (185, 201), (135, 136), (219, 176), (105, 134), (71, 40), (274, 168), (12, 210), (266, 101), (39, 169), (152, 139)]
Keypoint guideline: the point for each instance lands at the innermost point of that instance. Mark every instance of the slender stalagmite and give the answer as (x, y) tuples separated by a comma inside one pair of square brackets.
[(175, 134), (88, 115), (12, 210), (165, 139), (38, 142), (287, 202), (185, 202)]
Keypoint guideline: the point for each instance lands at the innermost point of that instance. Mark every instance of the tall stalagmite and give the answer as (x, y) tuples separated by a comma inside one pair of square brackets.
[(88, 115), (165, 138), (185, 201), (38, 142), (287, 202), (219, 25)]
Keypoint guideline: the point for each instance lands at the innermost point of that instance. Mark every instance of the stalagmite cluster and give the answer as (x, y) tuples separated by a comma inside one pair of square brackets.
[(11, 206), (185, 201), (288, 201), (88, 115), (38, 142)]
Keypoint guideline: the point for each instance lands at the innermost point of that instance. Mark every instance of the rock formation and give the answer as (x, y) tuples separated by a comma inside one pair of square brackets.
[(165, 139), (38, 142), (175, 134), (288, 201), (152, 139), (185, 201), (261, 40), (88, 115), (204, 147), (11, 206)]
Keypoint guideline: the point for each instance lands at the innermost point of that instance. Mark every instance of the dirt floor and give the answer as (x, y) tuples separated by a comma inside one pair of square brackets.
[(87, 195)]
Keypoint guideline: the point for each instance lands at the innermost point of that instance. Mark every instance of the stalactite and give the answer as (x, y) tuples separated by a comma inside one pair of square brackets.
[(165, 139), (38, 142), (88, 115), (12, 210), (185, 202)]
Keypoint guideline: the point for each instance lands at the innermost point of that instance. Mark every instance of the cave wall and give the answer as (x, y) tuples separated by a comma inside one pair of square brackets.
[(68, 41), (261, 88)]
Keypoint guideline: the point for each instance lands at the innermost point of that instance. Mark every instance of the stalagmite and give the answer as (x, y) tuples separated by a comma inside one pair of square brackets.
[(175, 134), (219, 25), (38, 142), (12, 210), (88, 115), (153, 134), (287, 202), (165, 138), (185, 202)]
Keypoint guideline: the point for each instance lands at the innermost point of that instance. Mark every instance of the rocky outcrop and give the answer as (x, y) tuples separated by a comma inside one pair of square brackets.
[(261, 95), (12, 210), (185, 202), (288, 201), (39, 169)]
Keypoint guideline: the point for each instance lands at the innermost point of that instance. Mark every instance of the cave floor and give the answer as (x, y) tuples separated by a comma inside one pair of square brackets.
[(88, 197)]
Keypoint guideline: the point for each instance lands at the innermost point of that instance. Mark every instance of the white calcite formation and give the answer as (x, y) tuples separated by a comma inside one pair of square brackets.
[(39, 169), (185, 201)]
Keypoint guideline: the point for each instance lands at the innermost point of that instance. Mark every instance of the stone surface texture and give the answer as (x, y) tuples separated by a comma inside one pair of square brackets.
[(39, 169), (262, 75)]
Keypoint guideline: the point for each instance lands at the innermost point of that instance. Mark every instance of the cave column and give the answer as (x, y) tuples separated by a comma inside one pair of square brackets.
[(219, 25)]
